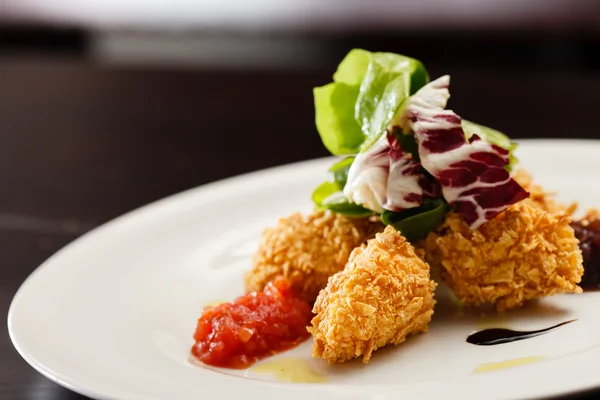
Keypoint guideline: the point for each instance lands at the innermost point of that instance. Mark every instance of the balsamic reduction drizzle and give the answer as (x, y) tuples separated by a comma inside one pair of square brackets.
[(490, 337)]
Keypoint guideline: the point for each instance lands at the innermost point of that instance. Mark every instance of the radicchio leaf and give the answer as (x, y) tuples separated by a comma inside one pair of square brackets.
[(471, 173), (385, 177)]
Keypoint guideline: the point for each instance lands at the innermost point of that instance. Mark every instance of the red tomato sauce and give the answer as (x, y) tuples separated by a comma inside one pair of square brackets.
[(254, 326)]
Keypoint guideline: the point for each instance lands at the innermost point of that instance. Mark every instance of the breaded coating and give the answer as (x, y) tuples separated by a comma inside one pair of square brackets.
[(383, 295), (541, 198), (524, 253), (307, 250)]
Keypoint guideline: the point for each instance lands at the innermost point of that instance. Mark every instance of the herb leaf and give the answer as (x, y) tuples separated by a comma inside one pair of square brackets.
[(340, 171), (415, 223), (329, 195)]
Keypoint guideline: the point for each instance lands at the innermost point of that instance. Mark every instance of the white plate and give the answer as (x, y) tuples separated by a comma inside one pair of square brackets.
[(112, 315)]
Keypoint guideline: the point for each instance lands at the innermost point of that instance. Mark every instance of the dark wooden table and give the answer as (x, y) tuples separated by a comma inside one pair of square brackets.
[(81, 143)]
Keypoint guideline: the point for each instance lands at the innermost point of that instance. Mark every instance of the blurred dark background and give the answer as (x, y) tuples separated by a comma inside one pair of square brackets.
[(108, 105)]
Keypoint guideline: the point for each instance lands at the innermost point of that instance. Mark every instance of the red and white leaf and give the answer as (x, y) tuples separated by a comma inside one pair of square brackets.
[(471, 173), (385, 177)]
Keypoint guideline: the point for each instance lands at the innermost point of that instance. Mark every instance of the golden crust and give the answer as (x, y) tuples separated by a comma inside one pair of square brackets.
[(383, 295), (308, 250), (523, 253)]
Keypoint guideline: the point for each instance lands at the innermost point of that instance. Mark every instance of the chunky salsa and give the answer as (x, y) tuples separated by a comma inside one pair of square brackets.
[(254, 326)]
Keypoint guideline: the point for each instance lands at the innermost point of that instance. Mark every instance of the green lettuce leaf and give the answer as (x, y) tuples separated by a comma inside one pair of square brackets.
[(386, 85), (341, 205), (415, 223), (491, 136), (340, 170), (334, 105), (323, 191), (329, 195), (368, 89), (353, 67)]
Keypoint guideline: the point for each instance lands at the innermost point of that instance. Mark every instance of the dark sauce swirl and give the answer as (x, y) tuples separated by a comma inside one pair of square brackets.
[(490, 337)]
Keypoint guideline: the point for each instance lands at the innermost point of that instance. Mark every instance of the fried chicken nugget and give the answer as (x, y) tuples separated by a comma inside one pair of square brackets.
[(383, 294), (524, 253), (307, 250)]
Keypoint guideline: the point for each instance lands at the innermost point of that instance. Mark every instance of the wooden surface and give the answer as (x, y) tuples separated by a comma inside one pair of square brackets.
[(81, 144)]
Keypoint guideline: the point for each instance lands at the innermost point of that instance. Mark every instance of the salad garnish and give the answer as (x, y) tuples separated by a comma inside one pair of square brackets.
[(408, 159)]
